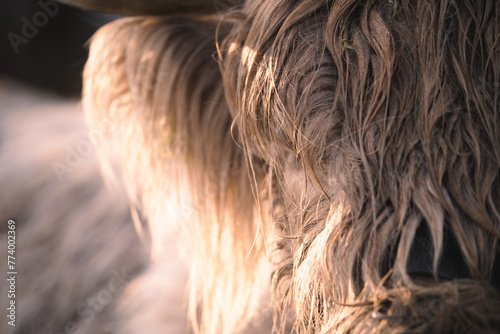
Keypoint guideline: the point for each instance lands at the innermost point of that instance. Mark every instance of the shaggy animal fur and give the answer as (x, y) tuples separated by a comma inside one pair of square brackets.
[(306, 153)]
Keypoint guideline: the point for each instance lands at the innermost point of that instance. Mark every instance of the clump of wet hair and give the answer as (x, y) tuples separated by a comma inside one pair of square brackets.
[(373, 117)]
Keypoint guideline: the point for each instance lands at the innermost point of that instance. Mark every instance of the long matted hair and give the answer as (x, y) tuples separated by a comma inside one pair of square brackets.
[(307, 145)]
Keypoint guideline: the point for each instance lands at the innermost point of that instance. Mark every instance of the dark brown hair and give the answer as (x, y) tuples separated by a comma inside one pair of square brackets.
[(374, 117)]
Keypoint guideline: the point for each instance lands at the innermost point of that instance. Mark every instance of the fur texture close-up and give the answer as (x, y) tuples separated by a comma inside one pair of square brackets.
[(325, 166)]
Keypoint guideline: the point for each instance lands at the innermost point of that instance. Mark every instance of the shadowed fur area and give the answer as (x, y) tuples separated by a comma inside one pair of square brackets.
[(303, 144)]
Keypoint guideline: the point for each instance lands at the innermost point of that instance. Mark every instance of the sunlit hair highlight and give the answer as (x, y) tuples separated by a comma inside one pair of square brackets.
[(182, 165)]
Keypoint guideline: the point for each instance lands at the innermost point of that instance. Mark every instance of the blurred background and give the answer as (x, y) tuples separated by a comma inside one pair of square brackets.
[(77, 252), (43, 43)]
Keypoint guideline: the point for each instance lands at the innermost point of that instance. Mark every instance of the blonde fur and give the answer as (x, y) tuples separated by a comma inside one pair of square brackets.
[(176, 126)]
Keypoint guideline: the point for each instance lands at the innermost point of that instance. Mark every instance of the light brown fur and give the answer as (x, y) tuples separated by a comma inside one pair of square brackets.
[(325, 135)]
